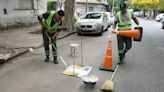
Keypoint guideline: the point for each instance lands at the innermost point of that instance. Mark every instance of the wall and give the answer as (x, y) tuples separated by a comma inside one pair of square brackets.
[(16, 16), (81, 8)]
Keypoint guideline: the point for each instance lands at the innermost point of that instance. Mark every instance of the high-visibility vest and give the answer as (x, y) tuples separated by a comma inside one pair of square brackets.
[(121, 24), (47, 23)]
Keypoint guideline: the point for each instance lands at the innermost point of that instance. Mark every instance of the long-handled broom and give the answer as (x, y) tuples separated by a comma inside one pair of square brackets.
[(108, 86)]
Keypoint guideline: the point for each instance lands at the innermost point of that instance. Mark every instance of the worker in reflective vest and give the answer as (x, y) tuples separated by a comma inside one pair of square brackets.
[(51, 25), (123, 20)]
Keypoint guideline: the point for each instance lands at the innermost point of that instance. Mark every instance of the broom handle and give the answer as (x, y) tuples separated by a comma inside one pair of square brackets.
[(114, 72), (82, 53)]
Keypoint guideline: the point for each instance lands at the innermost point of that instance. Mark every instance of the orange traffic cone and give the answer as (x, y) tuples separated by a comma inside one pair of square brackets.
[(141, 33), (107, 66), (130, 33)]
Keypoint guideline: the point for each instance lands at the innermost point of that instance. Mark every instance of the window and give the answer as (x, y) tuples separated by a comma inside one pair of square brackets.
[(102, 9), (91, 9), (26, 4), (93, 16)]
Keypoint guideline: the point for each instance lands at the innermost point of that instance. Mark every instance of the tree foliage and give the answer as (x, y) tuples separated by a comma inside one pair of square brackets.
[(148, 4)]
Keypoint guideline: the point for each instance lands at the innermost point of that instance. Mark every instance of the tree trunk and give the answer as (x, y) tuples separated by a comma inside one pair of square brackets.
[(69, 9)]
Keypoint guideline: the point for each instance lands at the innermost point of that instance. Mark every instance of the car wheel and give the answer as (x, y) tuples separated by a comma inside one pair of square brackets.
[(106, 29), (108, 26), (101, 31), (79, 33), (162, 26)]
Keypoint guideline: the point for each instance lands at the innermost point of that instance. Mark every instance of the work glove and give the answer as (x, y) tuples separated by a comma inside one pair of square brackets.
[(115, 32)]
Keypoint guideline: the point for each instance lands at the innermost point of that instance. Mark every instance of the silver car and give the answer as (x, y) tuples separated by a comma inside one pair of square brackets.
[(92, 23)]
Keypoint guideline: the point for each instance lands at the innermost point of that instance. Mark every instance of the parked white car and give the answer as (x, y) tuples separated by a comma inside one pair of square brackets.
[(159, 17), (92, 23)]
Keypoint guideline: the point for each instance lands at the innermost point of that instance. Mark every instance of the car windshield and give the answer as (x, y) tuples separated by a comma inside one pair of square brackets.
[(93, 16)]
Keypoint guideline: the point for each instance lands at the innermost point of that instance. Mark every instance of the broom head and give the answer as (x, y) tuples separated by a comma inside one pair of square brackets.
[(108, 86)]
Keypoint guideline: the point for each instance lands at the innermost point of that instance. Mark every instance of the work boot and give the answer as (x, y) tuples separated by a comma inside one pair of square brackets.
[(121, 58), (55, 61), (120, 62), (47, 59)]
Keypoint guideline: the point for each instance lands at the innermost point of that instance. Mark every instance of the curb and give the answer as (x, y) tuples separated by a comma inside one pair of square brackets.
[(14, 56), (27, 50), (66, 35)]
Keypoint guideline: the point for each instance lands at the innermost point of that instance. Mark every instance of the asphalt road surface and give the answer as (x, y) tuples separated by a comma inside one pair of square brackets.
[(142, 71)]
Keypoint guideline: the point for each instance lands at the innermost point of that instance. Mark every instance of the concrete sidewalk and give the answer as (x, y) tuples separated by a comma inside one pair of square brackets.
[(23, 38)]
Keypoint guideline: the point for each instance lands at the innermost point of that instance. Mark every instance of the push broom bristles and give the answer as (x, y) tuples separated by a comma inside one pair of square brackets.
[(108, 86)]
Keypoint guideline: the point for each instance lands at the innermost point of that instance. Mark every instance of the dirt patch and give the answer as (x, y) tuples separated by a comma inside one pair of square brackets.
[(4, 50), (17, 25), (9, 53), (37, 31)]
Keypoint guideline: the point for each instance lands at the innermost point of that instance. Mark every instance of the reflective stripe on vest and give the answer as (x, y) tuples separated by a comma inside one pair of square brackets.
[(121, 24), (47, 23)]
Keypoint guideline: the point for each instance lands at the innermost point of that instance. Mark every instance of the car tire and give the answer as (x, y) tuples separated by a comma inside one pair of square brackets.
[(101, 32), (106, 29), (79, 33), (162, 26), (108, 26)]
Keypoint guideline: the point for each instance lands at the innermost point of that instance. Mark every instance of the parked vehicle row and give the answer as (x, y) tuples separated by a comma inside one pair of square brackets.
[(138, 14), (159, 17), (162, 23)]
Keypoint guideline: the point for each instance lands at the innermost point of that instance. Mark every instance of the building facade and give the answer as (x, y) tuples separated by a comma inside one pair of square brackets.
[(20, 12), (83, 6), (24, 12)]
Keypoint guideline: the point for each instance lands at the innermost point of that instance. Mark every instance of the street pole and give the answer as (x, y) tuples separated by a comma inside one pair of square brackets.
[(86, 6), (113, 8), (60, 4)]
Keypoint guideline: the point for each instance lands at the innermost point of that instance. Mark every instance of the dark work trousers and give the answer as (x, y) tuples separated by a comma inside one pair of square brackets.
[(46, 44), (124, 44)]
